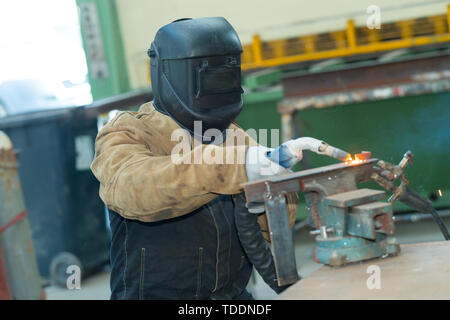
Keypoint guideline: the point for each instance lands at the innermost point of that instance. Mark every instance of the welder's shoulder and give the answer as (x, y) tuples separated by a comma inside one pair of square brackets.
[(125, 127), (124, 118), (138, 123), (237, 131), (146, 118)]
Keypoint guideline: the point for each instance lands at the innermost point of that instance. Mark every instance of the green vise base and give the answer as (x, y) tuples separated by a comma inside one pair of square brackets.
[(359, 225)]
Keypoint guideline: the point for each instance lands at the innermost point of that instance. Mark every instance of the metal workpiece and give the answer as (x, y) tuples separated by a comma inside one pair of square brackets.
[(296, 181), (386, 174), (281, 237), (350, 224), (15, 236)]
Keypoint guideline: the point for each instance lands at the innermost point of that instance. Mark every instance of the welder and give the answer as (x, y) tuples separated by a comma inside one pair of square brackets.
[(173, 229)]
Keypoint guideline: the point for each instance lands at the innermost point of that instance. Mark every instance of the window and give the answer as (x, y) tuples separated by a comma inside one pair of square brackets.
[(42, 61)]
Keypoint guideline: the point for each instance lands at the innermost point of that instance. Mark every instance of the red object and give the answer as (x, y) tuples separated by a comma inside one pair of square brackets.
[(16, 219), (5, 294)]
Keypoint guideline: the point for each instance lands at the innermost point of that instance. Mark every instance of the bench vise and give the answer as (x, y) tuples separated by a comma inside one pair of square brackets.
[(350, 224)]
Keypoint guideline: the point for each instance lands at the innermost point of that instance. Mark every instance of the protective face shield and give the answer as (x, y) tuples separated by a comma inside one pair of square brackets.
[(196, 74)]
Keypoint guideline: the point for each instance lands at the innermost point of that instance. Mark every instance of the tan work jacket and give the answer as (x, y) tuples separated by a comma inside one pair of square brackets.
[(139, 179)]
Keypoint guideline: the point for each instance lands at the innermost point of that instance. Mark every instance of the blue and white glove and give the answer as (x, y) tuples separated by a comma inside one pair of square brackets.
[(285, 155), (259, 166)]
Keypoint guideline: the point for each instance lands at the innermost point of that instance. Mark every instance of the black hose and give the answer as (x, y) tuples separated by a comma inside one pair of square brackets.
[(415, 201), (254, 244), (440, 223)]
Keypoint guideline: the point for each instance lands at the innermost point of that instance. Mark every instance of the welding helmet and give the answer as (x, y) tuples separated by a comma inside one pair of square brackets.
[(195, 67)]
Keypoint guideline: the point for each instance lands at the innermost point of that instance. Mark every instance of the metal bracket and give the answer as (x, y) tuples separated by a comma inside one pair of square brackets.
[(280, 237)]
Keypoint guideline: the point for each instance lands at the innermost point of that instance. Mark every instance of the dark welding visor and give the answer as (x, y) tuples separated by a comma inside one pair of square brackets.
[(213, 80)]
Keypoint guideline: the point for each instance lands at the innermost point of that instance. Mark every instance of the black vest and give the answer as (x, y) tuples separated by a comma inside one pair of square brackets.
[(195, 256)]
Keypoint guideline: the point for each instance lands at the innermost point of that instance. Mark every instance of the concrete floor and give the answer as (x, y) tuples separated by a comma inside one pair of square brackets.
[(97, 287)]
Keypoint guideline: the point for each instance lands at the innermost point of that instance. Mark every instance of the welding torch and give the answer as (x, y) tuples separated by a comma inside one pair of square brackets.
[(290, 152)]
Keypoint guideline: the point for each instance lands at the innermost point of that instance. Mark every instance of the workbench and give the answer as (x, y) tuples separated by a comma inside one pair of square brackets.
[(420, 271)]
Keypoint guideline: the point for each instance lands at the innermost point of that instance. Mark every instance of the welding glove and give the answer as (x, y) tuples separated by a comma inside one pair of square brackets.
[(259, 166), (288, 154)]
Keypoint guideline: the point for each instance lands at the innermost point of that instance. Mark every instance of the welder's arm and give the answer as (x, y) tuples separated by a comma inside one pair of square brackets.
[(142, 186)]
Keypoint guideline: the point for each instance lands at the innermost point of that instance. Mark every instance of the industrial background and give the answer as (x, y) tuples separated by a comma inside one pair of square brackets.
[(309, 68)]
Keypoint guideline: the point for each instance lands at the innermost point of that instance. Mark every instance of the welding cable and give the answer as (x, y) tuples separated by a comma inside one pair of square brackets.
[(440, 223), (420, 204), (254, 244)]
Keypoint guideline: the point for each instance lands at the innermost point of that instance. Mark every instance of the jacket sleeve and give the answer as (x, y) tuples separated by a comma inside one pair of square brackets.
[(141, 185)]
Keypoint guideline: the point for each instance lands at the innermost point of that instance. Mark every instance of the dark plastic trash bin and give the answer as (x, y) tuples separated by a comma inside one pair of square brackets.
[(67, 217)]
